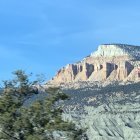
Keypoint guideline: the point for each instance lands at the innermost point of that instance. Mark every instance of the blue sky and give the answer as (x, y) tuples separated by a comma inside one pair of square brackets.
[(41, 36)]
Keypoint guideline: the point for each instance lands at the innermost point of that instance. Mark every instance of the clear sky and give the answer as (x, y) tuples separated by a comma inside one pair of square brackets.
[(40, 36)]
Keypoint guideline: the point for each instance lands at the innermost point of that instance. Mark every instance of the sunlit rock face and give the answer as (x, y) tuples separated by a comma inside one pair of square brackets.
[(111, 62)]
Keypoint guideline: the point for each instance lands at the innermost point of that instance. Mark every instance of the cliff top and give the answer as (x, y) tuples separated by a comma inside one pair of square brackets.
[(115, 50)]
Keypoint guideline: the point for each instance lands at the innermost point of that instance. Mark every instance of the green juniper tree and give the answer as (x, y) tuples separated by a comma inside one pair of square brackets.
[(37, 121)]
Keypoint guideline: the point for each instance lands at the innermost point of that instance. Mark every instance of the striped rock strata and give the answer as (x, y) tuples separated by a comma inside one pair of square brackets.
[(111, 62)]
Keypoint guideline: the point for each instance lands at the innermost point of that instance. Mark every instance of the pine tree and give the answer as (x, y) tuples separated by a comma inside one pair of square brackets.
[(34, 122)]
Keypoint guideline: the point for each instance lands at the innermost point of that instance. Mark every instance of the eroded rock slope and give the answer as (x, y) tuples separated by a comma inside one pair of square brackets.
[(107, 113)]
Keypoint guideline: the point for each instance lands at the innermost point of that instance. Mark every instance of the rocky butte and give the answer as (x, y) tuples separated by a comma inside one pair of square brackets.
[(104, 90), (111, 62)]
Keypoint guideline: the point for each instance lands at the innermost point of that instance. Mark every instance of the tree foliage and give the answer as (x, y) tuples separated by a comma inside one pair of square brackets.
[(37, 121)]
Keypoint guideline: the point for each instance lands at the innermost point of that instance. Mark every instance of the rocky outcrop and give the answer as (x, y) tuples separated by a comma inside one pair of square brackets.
[(111, 62)]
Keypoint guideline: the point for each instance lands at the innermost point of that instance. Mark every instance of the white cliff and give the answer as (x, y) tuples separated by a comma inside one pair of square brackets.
[(116, 50)]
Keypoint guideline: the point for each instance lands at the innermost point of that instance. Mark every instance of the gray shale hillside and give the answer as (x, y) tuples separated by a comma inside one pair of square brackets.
[(105, 92)]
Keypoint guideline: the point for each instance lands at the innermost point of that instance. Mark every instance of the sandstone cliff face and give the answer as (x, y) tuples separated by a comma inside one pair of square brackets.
[(109, 63)]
